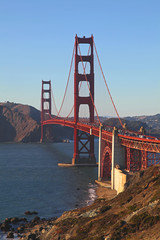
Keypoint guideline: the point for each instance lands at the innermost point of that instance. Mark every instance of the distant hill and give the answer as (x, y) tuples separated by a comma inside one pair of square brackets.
[(151, 124), (151, 121), (132, 125), (21, 123)]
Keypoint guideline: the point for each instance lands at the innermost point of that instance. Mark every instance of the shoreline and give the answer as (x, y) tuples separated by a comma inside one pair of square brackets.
[(42, 226), (104, 190)]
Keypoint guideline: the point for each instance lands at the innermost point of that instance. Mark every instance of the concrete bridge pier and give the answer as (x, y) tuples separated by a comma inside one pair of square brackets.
[(100, 153), (118, 158), (111, 155), (104, 157)]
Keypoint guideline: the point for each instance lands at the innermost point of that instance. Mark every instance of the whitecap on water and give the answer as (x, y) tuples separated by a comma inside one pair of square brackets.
[(91, 193)]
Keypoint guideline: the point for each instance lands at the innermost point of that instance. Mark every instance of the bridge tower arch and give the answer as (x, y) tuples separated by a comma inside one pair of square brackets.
[(106, 163), (83, 142)]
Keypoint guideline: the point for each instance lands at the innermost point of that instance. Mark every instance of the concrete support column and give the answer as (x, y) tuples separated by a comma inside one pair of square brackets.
[(118, 156), (99, 153), (113, 151)]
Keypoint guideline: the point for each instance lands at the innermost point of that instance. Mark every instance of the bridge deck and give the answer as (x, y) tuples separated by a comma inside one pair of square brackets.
[(147, 144)]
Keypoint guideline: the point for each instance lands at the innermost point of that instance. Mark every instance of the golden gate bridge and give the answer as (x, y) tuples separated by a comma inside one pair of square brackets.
[(132, 150)]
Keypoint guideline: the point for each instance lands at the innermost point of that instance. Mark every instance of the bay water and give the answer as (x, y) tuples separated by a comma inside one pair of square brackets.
[(30, 179)]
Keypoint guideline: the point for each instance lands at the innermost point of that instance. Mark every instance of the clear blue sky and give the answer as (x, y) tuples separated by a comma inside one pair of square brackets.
[(37, 37)]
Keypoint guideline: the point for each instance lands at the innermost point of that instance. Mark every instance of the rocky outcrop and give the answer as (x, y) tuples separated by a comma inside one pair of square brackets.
[(31, 213), (10, 235)]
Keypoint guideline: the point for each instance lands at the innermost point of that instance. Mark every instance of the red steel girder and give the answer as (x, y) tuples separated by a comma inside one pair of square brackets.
[(144, 159), (133, 159), (83, 145), (153, 158)]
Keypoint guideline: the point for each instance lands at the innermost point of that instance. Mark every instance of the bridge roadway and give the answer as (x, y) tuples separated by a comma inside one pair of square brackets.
[(148, 144)]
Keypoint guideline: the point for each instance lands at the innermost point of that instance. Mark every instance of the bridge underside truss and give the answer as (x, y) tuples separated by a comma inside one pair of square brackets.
[(85, 146), (139, 159)]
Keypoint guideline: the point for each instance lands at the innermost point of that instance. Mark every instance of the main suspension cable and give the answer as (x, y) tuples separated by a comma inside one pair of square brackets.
[(79, 85), (107, 84), (54, 101), (67, 82)]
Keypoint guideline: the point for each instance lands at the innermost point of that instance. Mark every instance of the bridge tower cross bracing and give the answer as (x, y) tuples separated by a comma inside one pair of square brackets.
[(45, 104), (83, 142)]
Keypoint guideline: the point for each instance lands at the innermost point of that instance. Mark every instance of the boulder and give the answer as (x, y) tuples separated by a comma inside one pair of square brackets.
[(20, 229), (34, 212), (5, 227), (23, 220), (10, 235), (32, 236), (14, 220), (36, 219), (30, 213), (7, 220)]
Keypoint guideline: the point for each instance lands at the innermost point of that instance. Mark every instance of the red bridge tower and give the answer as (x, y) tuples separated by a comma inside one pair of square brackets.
[(45, 105), (83, 142)]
